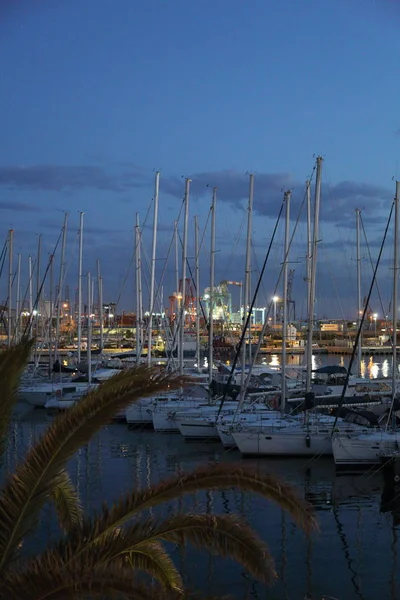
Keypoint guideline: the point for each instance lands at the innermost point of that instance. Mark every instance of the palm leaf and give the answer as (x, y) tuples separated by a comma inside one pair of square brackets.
[(211, 477), (224, 535), (36, 478), (66, 502), (12, 364), (51, 582), (151, 558)]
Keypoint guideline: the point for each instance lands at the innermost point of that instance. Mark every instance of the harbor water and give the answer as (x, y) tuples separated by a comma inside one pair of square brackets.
[(355, 555)]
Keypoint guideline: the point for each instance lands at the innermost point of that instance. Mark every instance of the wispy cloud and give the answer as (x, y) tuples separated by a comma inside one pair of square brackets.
[(11, 206), (67, 178), (339, 201)]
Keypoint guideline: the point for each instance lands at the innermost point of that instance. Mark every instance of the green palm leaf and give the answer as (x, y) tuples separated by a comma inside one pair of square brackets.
[(66, 502), (54, 583), (211, 477), (12, 364), (36, 478), (224, 535)]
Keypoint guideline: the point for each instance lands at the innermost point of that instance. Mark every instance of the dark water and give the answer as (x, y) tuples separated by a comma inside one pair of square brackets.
[(355, 556)]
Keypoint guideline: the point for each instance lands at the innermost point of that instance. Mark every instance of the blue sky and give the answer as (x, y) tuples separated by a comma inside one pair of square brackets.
[(96, 94)]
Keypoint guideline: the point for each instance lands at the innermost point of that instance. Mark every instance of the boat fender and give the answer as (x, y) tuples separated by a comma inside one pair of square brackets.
[(274, 402), (308, 441), (58, 393)]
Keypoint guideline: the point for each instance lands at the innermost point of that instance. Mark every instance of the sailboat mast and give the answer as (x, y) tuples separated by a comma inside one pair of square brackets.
[(395, 289), (80, 285), (138, 291), (51, 284), (197, 279), (246, 294), (18, 301), (153, 266), (184, 258), (359, 305), (212, 285), (309, 241), (37, 299), (285, 300), (89, 329), (10, 279), (30, 288), (59, 298), (100, 297), (313, 273)]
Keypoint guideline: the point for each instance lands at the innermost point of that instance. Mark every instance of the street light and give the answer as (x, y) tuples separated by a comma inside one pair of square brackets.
[(275, 300)]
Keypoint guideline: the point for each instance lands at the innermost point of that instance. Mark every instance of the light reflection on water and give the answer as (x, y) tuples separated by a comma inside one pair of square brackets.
[(372, 367), (354, 556)]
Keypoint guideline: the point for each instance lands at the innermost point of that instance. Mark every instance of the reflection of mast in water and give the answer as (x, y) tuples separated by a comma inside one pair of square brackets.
[(310, 544), (393, 571), (349, 560), (283, 556)]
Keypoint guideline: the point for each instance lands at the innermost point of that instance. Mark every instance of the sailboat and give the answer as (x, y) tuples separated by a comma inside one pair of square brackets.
[(369, 448), (290, 436)]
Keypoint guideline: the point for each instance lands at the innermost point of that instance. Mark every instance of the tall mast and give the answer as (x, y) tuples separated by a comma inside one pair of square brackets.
[(89, 329), (139, 332), (153, 266), (359, 306), (37, 299), (197, 278), (309, 241), (59, 298), (285, 300), (80, 286), (184, 258), (311, 301), (100, 296), (30, 294), (246, 294), (395, 292), (51, 314), (18, 301), (212, 285), (10, 279)]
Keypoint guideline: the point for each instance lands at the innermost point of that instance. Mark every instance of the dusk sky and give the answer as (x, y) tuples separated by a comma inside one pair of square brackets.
[(97, 94)]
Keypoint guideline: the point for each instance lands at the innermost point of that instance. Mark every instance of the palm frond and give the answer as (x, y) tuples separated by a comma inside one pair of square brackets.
[(224, 535), (151, 558), (51, 582), (36, 478), (12, 364), (211, 477), (66, 502)]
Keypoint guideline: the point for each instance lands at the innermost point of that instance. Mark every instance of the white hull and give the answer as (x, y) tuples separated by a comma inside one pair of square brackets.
[(291, 442), (35, 398), (140, 413), (226, 436), (164, 421), (366, 449), (164, 415), (198, 428)]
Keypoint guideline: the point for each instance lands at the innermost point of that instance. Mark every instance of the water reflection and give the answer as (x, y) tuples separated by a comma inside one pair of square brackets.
[(354, 556), (371, 367)]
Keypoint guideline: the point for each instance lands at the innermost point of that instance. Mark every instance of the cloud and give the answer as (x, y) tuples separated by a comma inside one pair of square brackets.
[(341, 200), (67, 178), (18, 206), (233, 186), (337, 205)]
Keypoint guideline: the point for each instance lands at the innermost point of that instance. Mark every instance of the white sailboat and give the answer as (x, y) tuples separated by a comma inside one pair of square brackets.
[(368, 448)]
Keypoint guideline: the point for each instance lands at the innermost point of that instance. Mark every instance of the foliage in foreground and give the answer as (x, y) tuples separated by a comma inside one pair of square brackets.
[(102, 555)]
